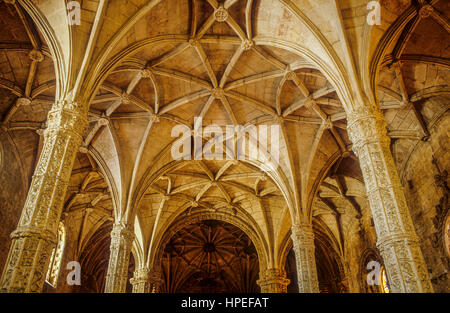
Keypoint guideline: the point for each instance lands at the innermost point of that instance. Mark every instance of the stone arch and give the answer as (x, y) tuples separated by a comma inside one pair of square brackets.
[(172, 228), (367, 256), (331, 259), (323, 243), (47, 29)]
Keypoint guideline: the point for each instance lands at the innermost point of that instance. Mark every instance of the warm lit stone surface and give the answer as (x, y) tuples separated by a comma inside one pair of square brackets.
[(86, 117)]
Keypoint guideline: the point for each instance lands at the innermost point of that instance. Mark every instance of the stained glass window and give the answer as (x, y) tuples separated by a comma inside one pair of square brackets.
[(56, 258)]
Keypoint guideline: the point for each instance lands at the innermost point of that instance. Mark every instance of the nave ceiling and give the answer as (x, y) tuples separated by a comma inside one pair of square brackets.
[(152, 65)]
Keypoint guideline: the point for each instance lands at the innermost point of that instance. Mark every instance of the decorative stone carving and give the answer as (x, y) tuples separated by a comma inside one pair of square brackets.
[(397, 240), (35, 236), (122, 237), (328, 123), (146, 73), (221, 14), (141, 280), (146, 281), (36, 56), (193, 43), (290, 75), (125, 98), (247, 44), (273, 281), (425, 11), (303, 244), (218, 93)]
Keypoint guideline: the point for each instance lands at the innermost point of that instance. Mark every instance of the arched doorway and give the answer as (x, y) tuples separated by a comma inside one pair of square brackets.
[(209, 257)]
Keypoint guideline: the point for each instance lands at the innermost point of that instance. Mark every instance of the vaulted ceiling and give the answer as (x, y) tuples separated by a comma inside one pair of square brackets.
[(147, 66)]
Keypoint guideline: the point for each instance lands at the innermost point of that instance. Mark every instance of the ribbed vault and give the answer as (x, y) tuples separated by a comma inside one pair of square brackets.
[(143, 68)]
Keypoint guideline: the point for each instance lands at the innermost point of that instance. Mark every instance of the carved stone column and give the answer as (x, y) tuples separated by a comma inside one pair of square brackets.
[(397, 241), (303, 244), (146, 281), (273, 281), (35, 236), (141, 280), (122, 237)]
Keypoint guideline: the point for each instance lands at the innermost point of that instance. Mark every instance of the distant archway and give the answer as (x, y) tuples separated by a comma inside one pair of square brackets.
[(209, 256)]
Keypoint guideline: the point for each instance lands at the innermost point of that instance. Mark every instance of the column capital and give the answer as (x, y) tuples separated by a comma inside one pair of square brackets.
[(397, 240), (273, 280), (36, 56), (367, 125), (146, 280), (68, 117), (302, 234), (141, 275), (122, 232)]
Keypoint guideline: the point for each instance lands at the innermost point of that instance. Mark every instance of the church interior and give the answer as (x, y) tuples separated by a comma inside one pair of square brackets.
[(92, 200)]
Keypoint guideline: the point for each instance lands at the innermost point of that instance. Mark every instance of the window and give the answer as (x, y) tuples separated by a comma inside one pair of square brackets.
[(373, 273), (384, 281), (56, 258)]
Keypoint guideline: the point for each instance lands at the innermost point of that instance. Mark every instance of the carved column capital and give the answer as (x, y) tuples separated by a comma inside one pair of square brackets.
[(68, 117), (141, 280), (302, 234), (122, 235), (273, 281), (146, 280), (146, 73)]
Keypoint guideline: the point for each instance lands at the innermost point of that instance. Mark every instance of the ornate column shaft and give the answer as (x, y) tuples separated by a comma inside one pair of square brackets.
[(273, 281), (35, 236), (303, 244), (397, 241), (122, 237)]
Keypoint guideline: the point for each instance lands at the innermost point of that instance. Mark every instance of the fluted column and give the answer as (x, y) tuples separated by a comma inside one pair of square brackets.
[(122, 237), (273, 281), (397, 241), (303, 244), (35, 236)]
